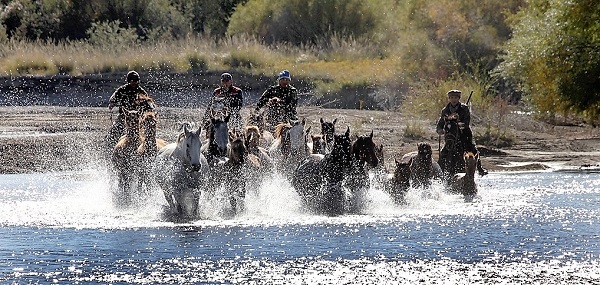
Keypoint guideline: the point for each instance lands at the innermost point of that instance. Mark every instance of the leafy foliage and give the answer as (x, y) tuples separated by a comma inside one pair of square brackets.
[(554, 56)]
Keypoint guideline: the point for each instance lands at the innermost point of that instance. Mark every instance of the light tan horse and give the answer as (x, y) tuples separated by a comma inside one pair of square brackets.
[(149, 144), (124, 158), (465, 185), (148, 147), (252, 136)]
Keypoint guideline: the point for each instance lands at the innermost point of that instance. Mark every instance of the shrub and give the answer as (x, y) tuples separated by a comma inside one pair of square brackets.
[(495, 137), (414, 130), (197, 61)]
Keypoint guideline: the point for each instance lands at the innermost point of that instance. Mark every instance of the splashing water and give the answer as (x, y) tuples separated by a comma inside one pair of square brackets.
[(522, 228)]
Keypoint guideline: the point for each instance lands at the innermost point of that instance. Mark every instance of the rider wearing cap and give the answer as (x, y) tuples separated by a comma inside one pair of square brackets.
[(125, 98), (464, 114), (284, 91), (226, 98)]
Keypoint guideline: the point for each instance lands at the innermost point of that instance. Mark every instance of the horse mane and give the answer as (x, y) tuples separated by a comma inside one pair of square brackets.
[(279, 129)]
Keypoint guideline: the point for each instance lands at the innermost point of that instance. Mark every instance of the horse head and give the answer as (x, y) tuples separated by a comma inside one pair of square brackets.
[(319, 144), (402, 172), (452, 131), (144, 103), (218, 136), (471, 163), (424, 152), (189, 144), (297, 137), (328, 130), (236, 152), (363, 150), (252, 137), (275, 112), (342, 147)]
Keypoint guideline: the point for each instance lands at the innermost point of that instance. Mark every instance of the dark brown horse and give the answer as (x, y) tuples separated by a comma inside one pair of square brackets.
[(398, 185), (451, 157), (423, 169), (234, 172)]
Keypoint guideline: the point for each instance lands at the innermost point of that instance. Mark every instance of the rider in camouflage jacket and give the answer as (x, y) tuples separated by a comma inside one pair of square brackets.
[(125, 98), (284, 91)]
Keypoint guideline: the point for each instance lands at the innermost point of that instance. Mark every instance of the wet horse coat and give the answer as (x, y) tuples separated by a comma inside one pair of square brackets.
[(423, 169), (451, 156), (125, 160), (180, 170), (465, 185), (290, 146), (318, 179)]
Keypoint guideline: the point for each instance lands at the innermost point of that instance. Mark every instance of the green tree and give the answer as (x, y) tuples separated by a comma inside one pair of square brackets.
[(34, 19), (554, 56)]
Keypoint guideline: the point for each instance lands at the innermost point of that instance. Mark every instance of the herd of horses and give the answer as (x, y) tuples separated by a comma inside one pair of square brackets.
[(329, 170)]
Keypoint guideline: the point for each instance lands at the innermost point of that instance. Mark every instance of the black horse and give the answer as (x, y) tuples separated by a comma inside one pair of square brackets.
[(318, 179), (451, 157), (357, 181)]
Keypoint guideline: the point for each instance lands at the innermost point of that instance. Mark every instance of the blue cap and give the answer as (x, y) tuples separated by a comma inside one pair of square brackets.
[(284, 74)]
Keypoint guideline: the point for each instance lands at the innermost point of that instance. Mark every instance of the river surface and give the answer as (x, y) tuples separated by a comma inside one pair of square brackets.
[(524, 228)]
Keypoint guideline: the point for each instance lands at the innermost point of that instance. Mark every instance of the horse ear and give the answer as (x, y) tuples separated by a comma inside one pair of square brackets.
[(308, 130), (321, 120), (334, 121), (185, 128), (348, 132), (371, 134), (303, 121)]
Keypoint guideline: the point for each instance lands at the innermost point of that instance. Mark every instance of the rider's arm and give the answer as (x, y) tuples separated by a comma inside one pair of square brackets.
[(264, 98), (439, 128), (114, 99)]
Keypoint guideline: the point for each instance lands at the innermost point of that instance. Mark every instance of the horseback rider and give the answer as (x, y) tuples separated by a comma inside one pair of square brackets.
[(227, 99), (126, 98), (285, 92), (455, 106)]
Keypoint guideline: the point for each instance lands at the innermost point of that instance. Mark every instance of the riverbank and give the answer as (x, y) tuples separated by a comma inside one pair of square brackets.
[(51, 138)]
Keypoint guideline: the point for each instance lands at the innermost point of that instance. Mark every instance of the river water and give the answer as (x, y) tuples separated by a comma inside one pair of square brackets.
[(524, 228)]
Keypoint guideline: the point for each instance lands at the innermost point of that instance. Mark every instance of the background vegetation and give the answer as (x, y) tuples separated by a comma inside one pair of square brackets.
[(404, 53)]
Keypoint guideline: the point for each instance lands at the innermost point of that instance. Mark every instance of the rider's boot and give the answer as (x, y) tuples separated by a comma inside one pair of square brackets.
[(480, 169)]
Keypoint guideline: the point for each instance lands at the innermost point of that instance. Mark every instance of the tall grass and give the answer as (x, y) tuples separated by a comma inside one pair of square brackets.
[(340, 63)]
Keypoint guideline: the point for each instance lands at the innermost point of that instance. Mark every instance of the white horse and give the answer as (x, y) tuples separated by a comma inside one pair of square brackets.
[(179, 170)]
